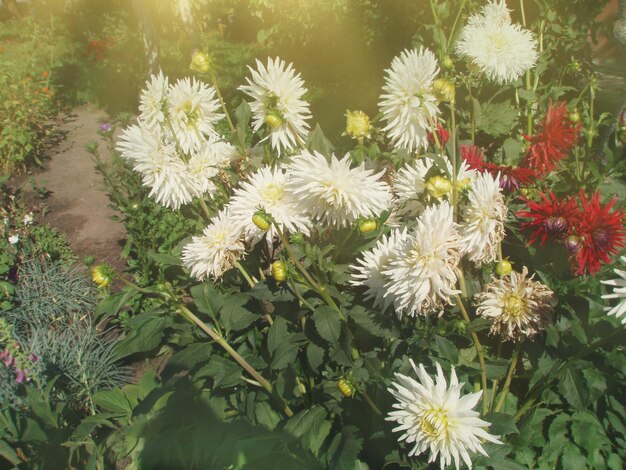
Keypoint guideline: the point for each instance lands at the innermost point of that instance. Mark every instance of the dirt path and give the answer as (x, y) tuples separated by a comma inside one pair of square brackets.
[(76, 205)]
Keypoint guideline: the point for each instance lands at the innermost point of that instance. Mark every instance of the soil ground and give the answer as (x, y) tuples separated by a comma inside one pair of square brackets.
[(76, 206)]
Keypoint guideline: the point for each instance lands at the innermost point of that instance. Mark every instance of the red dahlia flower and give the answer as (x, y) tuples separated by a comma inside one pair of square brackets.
[(442, 135), (600, 234), (511, 177), (550, 218), (554, 140)]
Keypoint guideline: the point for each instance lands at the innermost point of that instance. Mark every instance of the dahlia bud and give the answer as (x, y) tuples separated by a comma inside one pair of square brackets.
[(279, 271), (504, 267), (273, 120), (357, 125), (447, 63), (573, 243), (444, 90), (574, 116), (346, 387), (262, 220), (556, 224), (102, 275), (367, 225), (438, 186), (200, 62)]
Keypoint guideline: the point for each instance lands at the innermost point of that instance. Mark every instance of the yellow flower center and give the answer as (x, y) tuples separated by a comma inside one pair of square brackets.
[(435, 423), (272, 194), (514, 305)]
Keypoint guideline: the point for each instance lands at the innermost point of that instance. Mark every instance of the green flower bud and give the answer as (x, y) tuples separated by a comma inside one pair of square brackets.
[(102, 275), (444, 90), (200, 62), (279, 271), (438, 186), (273, 120), (357, 125), (346, 387), (504, 267), (367, 225), (262, 220)]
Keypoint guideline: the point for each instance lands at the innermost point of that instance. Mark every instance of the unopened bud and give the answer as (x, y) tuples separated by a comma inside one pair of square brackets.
[(438, 186), (200, 62), (279, 271), (357, 125), (262, 220), (102, 275), (273, 120), (556, 224), (504, 267), (573, 243), (367, 226), (346, 387), (444, 90)]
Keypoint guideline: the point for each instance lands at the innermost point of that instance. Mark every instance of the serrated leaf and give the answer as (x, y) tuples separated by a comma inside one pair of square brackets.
[(277, 334), (573, 388), (327, 324), (512, 150), (315, 355), (190, 356), (501, 424), (344, 449), (165, 259), (234, 316), (286, 353), (446, 349), (207, 298), (310, 426), (144, 334), (113, 401), (319, 143), (573, 458), (370, 323), (588, 432), (7, 452), (497, 119), (224, 372), (114, 303)]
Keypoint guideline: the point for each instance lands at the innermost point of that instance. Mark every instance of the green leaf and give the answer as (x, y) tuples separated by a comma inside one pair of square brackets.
[(573, 457), (207, 298), (327, 324), (113, 400), (501, 424), (7, 452), (319, 143), (497, 119), (344, 449), (572, 386), (112, 305), (446, 349), (242, 114), (370, 322), (145, 333), (190, 356), (315, 355), (224, 372), (286, 353), (234, 316), (276, 334), (89, 423), (165, 259), (512, 151), (588, 432), (265, 415), (310, 426)]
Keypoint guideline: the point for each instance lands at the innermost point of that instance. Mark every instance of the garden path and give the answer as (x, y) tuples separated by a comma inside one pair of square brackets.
[(76, 205)]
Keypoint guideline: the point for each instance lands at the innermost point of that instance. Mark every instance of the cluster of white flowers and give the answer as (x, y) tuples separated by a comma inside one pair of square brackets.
[(500, 49), (174, 145)]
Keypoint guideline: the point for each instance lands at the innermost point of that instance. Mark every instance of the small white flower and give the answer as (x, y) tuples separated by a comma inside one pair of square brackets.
[(483, 217), (434, 417), (408, 102), (216, 251), (13, 239), (153, 100), (501, 50), (370, 269), (266, 189), (409, 186), (192, 113), (277, 92), (333, 192), (28, 219), (619, 292), (518, 306), (423, 273)]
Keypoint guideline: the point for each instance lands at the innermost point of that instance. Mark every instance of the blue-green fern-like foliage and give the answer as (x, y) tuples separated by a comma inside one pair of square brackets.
[(50, 327)]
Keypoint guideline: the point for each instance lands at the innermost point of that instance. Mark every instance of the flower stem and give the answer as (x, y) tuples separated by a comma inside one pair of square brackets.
[(456, 20), (205, 209), (370, 402), (219, 96), (318, 288), (509, 377), (189, 315), (479, 351), (245, 274)]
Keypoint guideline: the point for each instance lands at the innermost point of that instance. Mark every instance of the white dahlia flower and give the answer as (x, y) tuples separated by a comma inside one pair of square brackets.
[(619, 292), (192, 113), (216, 251), (153, 101), (409, 186), (277, 92), (333, 192), (483, 218), (423, 273), (156, 159), (408, 103), (433, 416), (266, 189), (370, 269), (518, 306), (501, 50)]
